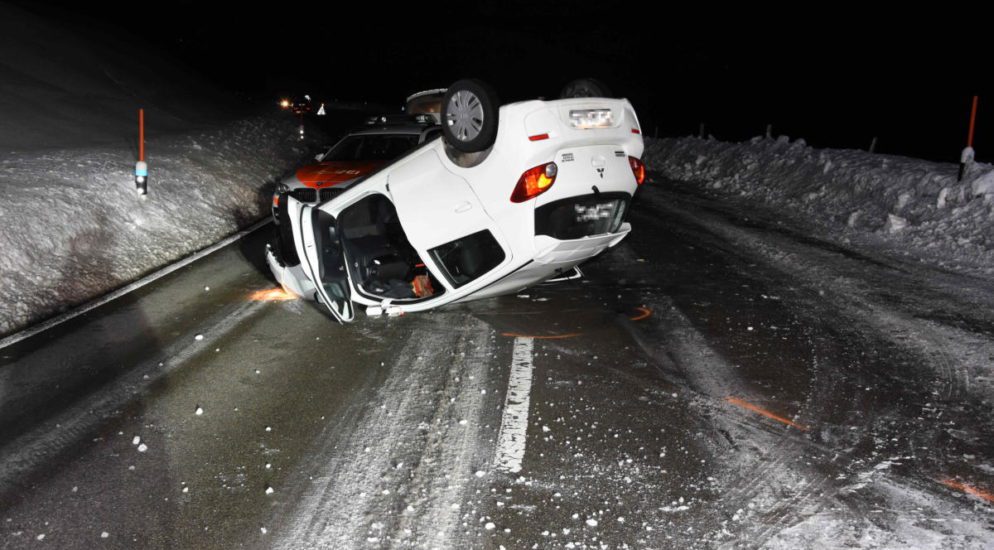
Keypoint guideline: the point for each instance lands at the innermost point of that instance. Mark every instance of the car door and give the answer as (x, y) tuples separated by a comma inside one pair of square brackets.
[(322, 257), (437, 207)]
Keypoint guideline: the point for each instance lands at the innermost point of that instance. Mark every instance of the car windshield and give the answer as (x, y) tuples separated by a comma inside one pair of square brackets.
[(372, 147)]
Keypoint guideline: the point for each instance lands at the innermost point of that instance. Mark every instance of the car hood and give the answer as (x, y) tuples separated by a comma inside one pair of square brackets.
[(327, 174)]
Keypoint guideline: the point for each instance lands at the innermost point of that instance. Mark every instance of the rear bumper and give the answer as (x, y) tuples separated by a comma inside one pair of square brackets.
[(550, 251)]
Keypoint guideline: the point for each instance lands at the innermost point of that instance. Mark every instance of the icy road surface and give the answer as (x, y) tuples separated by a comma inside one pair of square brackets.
[(717, 381)]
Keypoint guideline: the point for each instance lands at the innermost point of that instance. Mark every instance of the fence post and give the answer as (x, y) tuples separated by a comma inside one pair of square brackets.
[(141, 169)]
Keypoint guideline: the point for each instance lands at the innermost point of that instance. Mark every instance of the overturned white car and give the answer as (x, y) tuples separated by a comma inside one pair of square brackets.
[(510, 196)]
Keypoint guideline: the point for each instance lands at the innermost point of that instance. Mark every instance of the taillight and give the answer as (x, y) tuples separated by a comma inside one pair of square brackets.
[(638, 168), (276, 200), (534, 182)]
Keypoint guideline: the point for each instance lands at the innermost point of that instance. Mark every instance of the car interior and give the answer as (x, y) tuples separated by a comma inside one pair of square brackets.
[(381, 259)]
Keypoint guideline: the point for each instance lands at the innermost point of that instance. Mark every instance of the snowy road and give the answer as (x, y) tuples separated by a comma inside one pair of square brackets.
[(718, 381)]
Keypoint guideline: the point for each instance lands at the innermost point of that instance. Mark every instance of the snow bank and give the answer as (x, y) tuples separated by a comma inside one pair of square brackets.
[(74, 227), (910, 204)]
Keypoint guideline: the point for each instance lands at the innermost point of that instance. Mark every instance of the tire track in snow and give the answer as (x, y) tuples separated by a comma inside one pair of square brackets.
[(932, 343), (400, 474)]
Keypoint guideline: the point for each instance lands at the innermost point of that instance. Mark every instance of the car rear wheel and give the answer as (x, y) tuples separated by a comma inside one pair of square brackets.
[(469, 116), (585, 87)]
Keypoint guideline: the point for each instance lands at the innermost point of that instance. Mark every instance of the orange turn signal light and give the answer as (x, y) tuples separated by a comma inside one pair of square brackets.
[(534, 182)]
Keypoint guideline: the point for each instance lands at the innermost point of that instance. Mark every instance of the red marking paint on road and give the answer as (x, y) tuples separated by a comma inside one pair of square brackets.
[(541, 337), (644, 313), (968, 489), (768, 414)]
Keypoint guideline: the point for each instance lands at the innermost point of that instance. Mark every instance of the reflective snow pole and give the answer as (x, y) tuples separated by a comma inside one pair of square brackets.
[(966, 157), (141, 169)]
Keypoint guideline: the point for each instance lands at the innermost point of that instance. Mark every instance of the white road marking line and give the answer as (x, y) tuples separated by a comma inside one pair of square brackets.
[(152, 277), (514, 424)]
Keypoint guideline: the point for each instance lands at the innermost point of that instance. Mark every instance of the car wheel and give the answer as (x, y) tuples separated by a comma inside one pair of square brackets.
[(469, 116), (285, 250), (585, 87)]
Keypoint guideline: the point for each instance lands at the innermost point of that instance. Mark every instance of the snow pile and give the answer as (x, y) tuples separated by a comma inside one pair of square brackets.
[(906, 203), (73, 225)]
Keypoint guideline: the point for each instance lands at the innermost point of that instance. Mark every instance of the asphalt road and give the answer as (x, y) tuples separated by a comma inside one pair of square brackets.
[(719, 380)]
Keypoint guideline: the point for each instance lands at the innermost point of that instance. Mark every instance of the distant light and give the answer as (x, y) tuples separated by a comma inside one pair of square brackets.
[(285, 103)]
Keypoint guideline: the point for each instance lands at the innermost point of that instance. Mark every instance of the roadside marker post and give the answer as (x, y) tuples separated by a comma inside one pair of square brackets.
[(141, 168), (967, 156)]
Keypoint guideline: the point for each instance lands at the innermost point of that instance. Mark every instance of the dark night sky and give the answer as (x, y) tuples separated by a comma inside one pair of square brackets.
[(832, 75)]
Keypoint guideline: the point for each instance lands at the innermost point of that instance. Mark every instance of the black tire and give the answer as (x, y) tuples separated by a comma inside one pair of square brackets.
[(469, 116), (585, 87), (284, 249)]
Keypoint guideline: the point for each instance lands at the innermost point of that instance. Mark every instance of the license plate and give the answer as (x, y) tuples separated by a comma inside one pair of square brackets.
[(589, 213), (591, 118)]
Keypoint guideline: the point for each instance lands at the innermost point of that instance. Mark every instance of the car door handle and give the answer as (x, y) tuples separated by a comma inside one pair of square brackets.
[(464, 206)]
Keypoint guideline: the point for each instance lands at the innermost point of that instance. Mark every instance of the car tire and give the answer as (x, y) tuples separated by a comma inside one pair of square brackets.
[(585, 87), (285, 250), (469, 116)]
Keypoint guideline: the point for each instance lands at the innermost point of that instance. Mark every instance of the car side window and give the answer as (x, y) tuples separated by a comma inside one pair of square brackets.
[(464, 260)]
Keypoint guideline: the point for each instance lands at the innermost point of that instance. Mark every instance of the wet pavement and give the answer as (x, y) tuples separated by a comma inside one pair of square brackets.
[(720, 380)]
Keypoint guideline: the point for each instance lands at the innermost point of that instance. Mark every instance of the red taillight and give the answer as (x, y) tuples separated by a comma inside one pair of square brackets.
[(534, 182), (638, 168), (276, 200)]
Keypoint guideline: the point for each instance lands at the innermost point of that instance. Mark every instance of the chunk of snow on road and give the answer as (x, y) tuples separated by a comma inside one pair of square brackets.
[(592, 522), (136, 440), (198, 337), (104, 534), (199, 411), (489, 526), (142, 448), (269, 490)]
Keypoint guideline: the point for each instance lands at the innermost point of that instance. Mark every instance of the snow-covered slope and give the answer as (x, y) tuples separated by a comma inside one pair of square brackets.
[(73, 226), (909, 205)]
